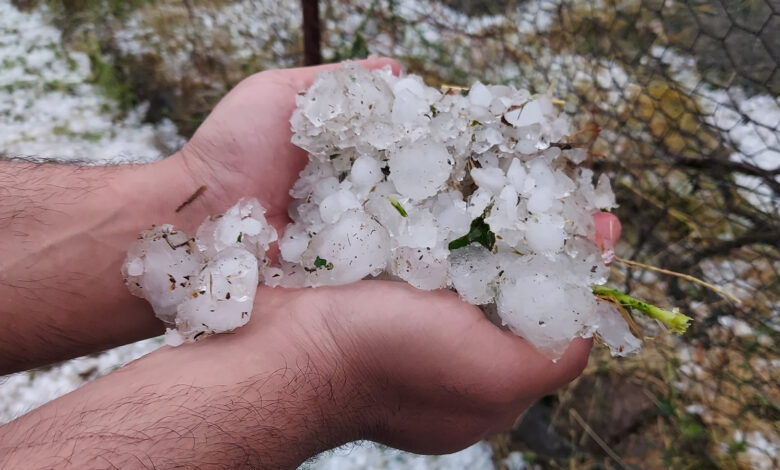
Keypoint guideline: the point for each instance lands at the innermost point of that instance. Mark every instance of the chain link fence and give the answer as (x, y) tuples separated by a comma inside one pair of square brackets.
[(679, 102)]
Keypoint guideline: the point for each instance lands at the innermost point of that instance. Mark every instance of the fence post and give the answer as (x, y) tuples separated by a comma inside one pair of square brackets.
[(312, 53)]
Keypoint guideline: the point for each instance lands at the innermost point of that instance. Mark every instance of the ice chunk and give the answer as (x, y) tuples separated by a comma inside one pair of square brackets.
[(366, 172), (492, 179), (159, 267), (418, 170), (479, 95), (614, 331), (532, 112), (545, 233), (354, 247), (206, 284), (420, 268), (536, 304), (473, 272), (221, 297), (243, 224), (294, 242), (398, 171), (336, 204)]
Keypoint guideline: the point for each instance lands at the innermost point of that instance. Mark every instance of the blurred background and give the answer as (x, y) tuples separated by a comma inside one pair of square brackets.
[(678, 101)]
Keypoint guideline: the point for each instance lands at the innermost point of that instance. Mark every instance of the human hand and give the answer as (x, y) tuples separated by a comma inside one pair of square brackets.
[(243, 148), (438, 374), (421, 371)]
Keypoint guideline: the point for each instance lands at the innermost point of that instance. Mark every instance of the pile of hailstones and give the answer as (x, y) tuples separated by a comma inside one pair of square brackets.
[(474, 191)]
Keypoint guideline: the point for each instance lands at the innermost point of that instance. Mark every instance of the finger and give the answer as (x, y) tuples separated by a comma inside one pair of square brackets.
[(608, 230), (530, 373), (305, 75)]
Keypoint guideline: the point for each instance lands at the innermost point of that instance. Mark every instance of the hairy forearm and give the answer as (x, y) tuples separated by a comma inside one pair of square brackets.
[(64, 230), (248, 400)]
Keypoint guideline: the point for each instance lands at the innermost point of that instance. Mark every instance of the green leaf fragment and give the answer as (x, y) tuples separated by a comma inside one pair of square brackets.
[(397, 206), (475, 123), (240, 237), (675, 320), (322, 263), (334, 156), (479, 232)]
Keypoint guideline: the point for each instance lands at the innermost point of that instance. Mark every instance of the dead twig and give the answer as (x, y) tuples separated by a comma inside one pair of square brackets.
[(189, 200), (601, 443)]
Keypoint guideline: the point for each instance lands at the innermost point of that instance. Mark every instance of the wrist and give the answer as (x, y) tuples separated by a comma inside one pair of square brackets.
[(162, 192), (301, 330)]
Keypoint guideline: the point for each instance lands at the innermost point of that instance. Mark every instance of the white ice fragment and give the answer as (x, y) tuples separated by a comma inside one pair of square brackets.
[(473, 272), (366, 172), (532, 112), (614, 331), (545, 233), (418, 170), (336, 204), (159, 267), (222, 295), (293, 243), (243, 224), (452, 217), (534, 302), (478, 202), (354, 247), (516, 174), (503, 215), (206, 284), (543, 194), (492, 179), (604, 198), (479, 95), (420, 268), (409, 101)]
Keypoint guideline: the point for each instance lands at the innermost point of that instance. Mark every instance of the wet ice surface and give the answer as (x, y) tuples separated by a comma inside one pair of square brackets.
[(480, 192), (202, 285)]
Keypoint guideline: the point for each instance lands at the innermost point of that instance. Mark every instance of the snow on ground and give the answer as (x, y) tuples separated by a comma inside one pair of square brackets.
[(368, 455), (24, 391), (48, 110)]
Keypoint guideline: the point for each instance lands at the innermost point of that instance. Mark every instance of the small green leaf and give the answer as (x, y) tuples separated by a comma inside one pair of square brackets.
[(397, 206), (322, 263), (475, 123), (334, 156), (434, 111), (479, 232), (240, 237)]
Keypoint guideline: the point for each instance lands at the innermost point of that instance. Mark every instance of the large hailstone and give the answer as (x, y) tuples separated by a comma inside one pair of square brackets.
[(207, 284), (159, 267), (418, 170), (354, 247)]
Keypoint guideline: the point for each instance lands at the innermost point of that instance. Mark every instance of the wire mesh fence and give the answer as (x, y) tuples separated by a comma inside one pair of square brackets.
[(679, 101)]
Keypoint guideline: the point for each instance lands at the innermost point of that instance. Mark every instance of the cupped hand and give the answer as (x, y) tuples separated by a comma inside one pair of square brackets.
[(429, 371), (420, 371), (243, 148)]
